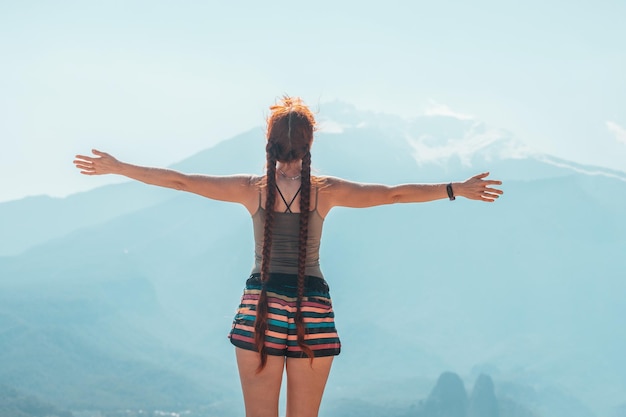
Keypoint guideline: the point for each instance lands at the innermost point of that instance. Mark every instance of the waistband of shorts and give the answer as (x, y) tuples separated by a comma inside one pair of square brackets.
[(281, 280)]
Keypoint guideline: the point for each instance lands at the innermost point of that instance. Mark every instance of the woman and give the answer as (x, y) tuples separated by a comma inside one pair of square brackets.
[(285, 320)]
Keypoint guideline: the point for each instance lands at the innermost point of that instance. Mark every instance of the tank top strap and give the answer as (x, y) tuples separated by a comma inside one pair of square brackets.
[(288, 204), (316, 198)]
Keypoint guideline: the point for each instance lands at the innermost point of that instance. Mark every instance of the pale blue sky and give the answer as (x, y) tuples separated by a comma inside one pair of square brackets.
[(156, 81)]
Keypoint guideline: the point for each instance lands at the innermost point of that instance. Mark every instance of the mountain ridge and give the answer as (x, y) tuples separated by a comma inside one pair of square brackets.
[(448, 146)]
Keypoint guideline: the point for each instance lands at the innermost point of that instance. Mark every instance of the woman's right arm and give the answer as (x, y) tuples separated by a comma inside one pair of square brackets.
[(232, 188), (339, 192)]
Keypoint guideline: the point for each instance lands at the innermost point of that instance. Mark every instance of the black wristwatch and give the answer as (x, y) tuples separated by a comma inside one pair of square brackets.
[(450, 192)]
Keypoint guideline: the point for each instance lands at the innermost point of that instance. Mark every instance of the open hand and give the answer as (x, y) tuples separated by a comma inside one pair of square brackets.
[(478, 188), (101, 164)]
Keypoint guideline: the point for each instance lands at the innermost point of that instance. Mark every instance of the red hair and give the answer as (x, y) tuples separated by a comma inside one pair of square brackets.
[(290, 128)]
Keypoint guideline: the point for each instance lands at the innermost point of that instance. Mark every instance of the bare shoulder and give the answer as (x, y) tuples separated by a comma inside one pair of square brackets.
[(328, 188), (334, 185), (255, 181), (238, 188), (239, 183), (327, 183), (339, 192), (253, 184)]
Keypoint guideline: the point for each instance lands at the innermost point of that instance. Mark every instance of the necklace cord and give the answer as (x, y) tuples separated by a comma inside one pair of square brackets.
[(287, 176)]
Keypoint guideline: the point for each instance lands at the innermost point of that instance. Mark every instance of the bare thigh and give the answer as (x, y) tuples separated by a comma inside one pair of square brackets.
[(260, 390), (305, 385)]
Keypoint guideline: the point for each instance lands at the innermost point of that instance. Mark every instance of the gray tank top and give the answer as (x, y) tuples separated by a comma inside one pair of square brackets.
[(284, 254)]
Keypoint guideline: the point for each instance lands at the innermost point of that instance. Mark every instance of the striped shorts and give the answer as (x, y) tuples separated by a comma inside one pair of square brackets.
[(280, 338)]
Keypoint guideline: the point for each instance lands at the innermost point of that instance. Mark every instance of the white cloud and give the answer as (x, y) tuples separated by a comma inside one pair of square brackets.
[(490, 144), (618, 131), (330, 126), (464, 148), (436, 109)]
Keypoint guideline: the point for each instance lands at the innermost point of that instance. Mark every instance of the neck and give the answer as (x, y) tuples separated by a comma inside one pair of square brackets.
[(289, 169)]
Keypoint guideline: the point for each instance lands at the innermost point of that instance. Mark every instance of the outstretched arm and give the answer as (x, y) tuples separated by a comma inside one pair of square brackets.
[(353, 194), (233, 188)]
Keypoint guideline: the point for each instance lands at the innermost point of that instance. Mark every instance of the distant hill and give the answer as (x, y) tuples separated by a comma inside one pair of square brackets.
[(15, 404), (88, 345), (129, 305)]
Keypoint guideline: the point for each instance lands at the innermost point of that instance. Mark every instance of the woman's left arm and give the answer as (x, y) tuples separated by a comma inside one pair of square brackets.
[(344, 193)]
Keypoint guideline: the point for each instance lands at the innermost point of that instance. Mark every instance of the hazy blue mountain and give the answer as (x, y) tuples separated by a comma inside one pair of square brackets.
[(447, 399), (135, 303), (15, 404), (483, 401), (88, 345), (35, 220)]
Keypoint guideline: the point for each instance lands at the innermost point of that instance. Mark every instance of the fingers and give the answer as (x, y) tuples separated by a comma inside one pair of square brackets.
[(90, 165), (100, 164), (84, 158), (485, 192), (85, 164), (484, 175), (85, 168), (96, 152), (81, 165), (494, 190), (488, 196), (82, 162)]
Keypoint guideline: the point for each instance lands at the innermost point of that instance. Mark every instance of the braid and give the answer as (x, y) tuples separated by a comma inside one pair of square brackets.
[(305, 200), (289, 136), (260, 324)]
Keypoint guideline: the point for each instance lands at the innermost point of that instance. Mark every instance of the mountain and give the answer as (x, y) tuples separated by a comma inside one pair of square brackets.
[(15, 404), (34, 220), (448, 398), (129, 305), (88, 345), (483, 401)]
